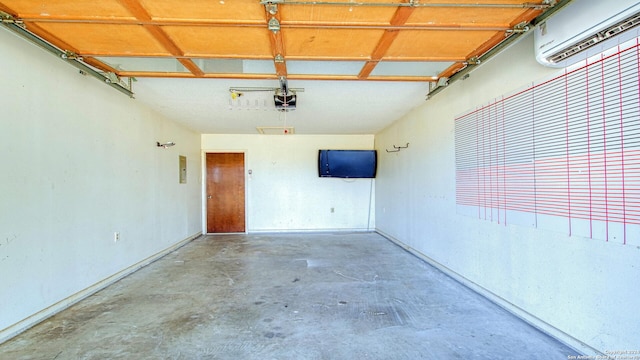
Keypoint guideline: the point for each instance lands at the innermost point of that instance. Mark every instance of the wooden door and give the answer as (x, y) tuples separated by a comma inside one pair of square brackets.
[(225, 193)]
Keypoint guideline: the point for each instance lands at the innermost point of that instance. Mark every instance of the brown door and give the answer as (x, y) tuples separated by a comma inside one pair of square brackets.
[(225, 192)]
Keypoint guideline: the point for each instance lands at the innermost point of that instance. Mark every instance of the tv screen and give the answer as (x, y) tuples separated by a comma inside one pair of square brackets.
[(347, 163)]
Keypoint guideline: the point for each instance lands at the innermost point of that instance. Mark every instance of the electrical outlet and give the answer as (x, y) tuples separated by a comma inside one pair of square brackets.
[(116, 236)]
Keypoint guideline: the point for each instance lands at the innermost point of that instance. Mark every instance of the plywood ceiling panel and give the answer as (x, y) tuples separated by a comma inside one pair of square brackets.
[(220, 41), (464, 17), (230, 11), (367, 31), (316, 14), (107, 39), (436, 45), (517, 3), (331, 43), (70, 9)]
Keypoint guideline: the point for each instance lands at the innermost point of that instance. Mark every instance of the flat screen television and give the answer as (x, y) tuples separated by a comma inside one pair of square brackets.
[(347, 163)]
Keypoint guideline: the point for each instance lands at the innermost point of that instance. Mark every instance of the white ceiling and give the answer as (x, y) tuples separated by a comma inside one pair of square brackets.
[(324, 107)]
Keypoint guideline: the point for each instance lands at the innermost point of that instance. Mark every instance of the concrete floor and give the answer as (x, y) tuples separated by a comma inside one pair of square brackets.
[(285, 296)]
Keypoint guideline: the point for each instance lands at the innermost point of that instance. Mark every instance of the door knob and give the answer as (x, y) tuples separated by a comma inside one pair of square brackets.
[(209, 197)]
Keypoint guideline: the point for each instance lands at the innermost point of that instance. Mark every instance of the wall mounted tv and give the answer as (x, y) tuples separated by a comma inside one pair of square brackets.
[(347, 163)]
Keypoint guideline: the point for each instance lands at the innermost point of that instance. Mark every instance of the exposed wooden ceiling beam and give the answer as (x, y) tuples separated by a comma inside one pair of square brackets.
[(161, 56), (525, 17), (383, 45), (448, 72), (60, 44), (389, 30), (6, 9), (438, 27), (367, 69), (52, 39), (289, 57), (493, 41), (370, 78), (126, 21), (141, 14), (277, 44), (416, 4), (100, 65), (401, 16), (288, 24), (186, 75)]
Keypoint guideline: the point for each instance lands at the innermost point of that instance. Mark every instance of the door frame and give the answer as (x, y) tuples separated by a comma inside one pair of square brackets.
[(203, 181)]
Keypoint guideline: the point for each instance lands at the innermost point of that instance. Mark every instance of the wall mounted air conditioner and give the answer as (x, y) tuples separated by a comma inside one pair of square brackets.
[(583, 28)]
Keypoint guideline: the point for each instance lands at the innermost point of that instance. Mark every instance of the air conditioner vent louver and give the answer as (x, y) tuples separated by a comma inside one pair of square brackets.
[(614, 30), (585, 27)]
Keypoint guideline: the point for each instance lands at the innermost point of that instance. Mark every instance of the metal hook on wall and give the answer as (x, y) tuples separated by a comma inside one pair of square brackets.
[(397, 148)]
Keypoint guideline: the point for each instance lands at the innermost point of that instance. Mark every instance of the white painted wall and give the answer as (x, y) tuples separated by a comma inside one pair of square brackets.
[(79, 162), (586, 288), (284, 191)]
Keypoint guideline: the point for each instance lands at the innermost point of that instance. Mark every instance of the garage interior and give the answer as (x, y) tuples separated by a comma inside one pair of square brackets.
[(497, 178)]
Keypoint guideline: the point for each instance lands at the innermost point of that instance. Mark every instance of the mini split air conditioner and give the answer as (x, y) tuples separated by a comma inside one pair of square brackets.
[(583, 28)]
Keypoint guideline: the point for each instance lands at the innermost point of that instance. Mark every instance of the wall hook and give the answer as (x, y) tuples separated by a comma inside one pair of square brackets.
[(165, 145), (397, 148)]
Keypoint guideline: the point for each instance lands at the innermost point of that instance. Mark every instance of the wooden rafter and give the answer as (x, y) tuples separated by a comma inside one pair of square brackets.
[(141, 14), (313, 32), (125, 21), (184, 75), (60, 44), (100, 65), (277, 44), (399, 18), (285, 24), (6, 9), (52, 39), (492, 42)]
